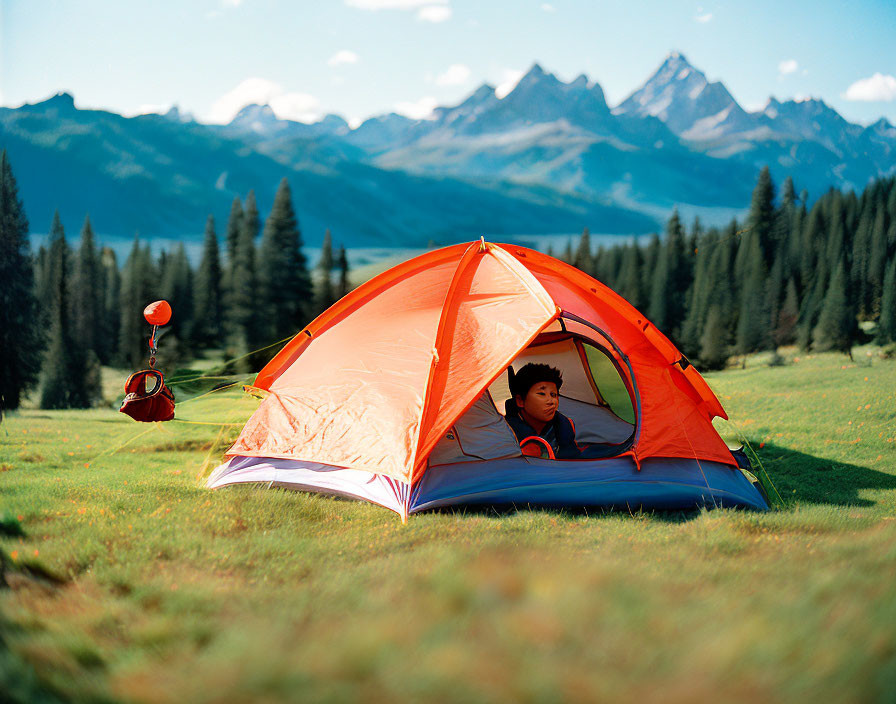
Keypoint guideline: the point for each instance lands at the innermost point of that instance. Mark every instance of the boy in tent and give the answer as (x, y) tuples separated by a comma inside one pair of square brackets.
[(533, 416)]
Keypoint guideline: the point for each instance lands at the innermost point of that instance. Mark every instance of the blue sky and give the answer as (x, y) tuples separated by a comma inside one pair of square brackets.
[(360, 58)]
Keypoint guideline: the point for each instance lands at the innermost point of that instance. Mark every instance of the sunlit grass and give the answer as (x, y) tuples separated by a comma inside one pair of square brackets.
[(133, 582)]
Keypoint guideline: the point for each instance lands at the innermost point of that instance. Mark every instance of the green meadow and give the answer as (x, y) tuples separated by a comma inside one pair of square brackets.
[(126, 580)]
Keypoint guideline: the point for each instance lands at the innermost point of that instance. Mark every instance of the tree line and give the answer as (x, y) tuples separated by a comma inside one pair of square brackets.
[(65, 311), (821, 277)]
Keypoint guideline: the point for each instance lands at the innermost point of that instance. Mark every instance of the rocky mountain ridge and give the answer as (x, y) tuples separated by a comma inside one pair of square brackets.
[(548, 157)]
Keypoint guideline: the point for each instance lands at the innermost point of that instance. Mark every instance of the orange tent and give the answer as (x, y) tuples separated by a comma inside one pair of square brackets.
[(364, 400)]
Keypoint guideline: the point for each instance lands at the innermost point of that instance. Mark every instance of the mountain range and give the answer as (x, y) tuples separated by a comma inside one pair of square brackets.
[(549, 157)]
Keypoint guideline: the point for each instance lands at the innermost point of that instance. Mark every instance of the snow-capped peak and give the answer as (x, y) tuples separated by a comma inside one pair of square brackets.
[(679, 95)]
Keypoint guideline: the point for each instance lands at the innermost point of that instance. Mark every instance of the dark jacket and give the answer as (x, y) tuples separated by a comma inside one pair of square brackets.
[(559, 433)]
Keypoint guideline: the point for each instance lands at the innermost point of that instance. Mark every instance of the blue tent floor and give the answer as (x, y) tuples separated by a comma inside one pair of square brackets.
[(612, 483), (663, 484)]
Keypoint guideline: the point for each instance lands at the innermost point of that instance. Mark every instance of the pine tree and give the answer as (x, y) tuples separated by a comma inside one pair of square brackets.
[(714, 340), (568, 255), (699, 297), (607, 265), (87, 292), (812, 247), (111, 310), (42, 288), (891, 204), (696, 235), (671, 281), (325, 294), (753, 329), (850, 212), (810, 307), (775, 288), (877, 258), (176, 287), (651, 255), (244, 303), (715, 299), (600, 266), (248, 286), (859, 269), (784, 332), (286, 290), (837, 325), (886, 323), (44, 284), (794, 246), (788, 193), (782, 228), (629, 286), (65, 369), (234, 225), (138, 289), (251, 218), (583, 257), (835, 249), (21, 339), (720, 290), (207, 306), (342, 264), (49, 284), (762, 215)]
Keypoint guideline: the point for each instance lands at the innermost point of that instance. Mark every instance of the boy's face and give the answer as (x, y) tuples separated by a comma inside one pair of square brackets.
[(541, 401)]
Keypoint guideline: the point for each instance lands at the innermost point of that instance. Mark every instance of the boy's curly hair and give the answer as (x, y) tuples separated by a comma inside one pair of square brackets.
[(530, 375)]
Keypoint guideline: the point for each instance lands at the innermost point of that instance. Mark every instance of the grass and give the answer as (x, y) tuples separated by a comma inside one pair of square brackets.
[(130, 582)]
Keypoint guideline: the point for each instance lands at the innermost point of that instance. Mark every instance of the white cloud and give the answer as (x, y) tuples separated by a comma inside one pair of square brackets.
[(877, 87), (421, 110), (788, 66), (456, 75), (393, 4), (226, 4), (434, 13), (260, 91), (427, 10), (547, 7), (509, 79), (703, 18), (340, 58)]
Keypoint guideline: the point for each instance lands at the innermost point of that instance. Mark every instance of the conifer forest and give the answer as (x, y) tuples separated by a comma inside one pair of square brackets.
[(820, 275)]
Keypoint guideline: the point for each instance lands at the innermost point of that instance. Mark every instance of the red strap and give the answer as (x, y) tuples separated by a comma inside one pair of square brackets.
[(136, 383), (574, 442), (536, 441)]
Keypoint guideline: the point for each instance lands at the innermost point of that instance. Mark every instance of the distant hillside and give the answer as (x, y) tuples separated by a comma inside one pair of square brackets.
[(162, 177), (549, 157)]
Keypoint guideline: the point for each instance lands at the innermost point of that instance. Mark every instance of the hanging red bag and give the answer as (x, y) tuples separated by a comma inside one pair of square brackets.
[(147, 399)]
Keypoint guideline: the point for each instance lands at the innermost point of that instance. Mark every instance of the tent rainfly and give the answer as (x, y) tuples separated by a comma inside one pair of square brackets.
[(395, 395)]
